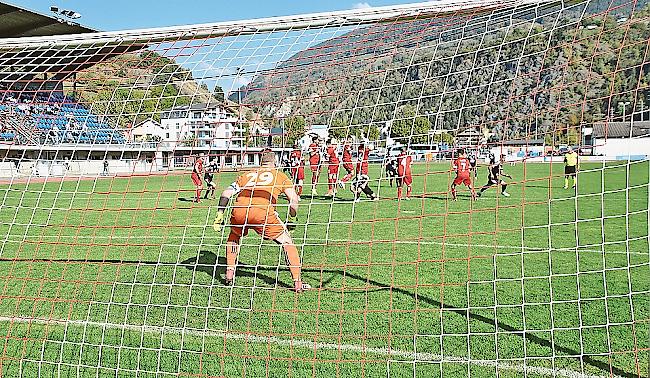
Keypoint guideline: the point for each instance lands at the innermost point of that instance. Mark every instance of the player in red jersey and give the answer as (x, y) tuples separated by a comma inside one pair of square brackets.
[(360, 182), (297, 168), (463, 170), (314, 163), (347, 161), (197, 173), (332, 167), (404, 176)]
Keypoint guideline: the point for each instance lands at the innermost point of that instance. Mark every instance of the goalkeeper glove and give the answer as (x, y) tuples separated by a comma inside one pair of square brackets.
[(291, 223), (218, 222)]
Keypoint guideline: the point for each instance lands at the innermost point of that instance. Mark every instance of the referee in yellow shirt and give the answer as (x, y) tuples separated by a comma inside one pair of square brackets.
[(570, 167)]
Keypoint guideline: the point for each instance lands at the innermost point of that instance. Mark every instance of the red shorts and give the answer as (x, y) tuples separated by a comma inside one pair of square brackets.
[(264, 221), (314, 167), (463, 180), (298, 173), (196, 179), (333, 169), (406, 180)]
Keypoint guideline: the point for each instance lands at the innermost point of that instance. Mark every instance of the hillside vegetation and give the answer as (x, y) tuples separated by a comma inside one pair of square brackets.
[(541, 71), (130, 88)]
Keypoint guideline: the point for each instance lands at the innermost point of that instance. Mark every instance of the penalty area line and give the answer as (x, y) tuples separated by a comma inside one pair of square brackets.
[(310, 344)]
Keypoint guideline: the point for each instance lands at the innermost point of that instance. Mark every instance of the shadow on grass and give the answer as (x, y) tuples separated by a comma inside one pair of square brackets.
[(215, 266), (209, 263), (439, 198), (327, 198)]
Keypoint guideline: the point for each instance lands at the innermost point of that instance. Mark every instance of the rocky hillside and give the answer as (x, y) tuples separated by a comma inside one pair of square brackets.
[(542, 71), (130, 88)]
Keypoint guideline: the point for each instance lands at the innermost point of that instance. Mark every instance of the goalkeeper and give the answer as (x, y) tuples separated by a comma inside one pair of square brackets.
[(257, 192)]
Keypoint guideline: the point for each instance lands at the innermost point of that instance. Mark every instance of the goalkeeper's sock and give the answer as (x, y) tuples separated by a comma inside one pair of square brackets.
[(230, 275), (294, 260), (574, 181), (232, 250), (566, 182)]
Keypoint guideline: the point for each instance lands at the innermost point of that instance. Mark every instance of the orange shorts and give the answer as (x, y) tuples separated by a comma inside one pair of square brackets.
[(264, 221)]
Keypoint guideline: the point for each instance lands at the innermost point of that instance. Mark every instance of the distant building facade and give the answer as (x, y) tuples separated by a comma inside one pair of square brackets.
[(147, 130), (471, 137), (202, 125), (320, 131)]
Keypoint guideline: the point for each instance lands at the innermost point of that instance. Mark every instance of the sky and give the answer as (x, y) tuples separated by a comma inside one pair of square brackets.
[(111, 15), (209, 65)]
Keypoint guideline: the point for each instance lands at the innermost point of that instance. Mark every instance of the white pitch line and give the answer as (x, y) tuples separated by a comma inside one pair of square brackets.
[(313, 345)]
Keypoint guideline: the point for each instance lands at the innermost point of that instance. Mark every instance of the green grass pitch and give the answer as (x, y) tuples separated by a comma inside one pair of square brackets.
[(117, 277)]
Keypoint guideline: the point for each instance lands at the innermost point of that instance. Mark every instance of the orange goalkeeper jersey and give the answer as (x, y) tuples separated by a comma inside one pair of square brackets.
[(260, 187)]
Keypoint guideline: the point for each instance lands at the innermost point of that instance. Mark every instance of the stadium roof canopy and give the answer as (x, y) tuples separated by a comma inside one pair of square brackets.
[(20, 22), (63, 61), (621, 129)]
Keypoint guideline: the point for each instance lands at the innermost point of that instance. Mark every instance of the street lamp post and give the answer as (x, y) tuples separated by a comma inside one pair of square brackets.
[(623, 104)]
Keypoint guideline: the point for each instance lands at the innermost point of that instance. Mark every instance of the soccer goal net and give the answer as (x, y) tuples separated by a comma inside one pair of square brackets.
[(472, 180)]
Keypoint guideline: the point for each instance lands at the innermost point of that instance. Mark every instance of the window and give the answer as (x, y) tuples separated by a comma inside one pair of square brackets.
[(167, 135)]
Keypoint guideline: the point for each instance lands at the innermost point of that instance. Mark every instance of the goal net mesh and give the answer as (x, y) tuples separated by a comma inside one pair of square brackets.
[(109, 268)]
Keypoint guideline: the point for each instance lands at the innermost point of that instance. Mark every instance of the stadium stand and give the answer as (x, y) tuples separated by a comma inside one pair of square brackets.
[(58, 121), (33, 108)]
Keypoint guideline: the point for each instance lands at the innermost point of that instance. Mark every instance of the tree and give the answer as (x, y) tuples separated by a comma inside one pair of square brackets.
[(339, 129), (402, 126), (572, 137), (548, 139), (444, 138), (421, 127), (372, 132), (573, 119), (246, 134), (218, 93), (410, 128), (294, 129)]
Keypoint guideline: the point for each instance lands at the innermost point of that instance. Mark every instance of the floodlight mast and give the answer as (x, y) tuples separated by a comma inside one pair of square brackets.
[(65, 12)]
